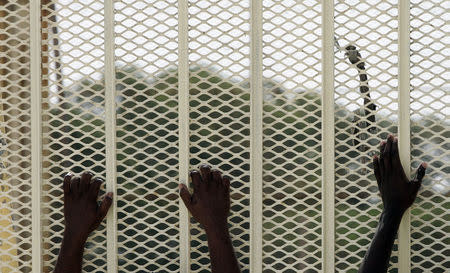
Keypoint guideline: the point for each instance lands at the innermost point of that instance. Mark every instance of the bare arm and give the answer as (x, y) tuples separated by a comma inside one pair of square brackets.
[(210, 206), (82, 215), (398, 194)]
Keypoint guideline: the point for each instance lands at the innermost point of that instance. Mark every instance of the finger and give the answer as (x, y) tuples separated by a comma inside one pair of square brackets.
[(94, 188), (85, 181), (420, 173), (185, 195), (226, 183), (387, 158), (75, 185), (217, 177), (395, 154), (66, 183), (104, 206), (381, 157), (376, 170), (205, 171), (196, 180), (388, 145), (417, 181), (382, 147), (394, 148)]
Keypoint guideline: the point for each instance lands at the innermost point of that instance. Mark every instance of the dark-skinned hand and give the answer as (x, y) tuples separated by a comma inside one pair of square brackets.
[(398, 194), (82, 213), (209, 204), (397, 191)]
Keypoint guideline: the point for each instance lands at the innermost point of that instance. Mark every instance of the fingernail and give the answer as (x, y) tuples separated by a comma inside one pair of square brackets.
[(69, 174), (180, 186), (424, 165), (109, 195), (99, 179)]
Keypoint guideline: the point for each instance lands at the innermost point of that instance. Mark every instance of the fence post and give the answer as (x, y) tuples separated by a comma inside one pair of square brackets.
[(404, 239), (328, 136), (256, 137), (110, 135), (36, 162), (183, 127)]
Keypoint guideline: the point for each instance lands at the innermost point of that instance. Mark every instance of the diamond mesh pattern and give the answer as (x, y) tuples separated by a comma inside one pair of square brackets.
[(15, 138), (146, 59), (291, 136), (73, 115), (219, 111), (147, 136), (430, 127), (371, 26)]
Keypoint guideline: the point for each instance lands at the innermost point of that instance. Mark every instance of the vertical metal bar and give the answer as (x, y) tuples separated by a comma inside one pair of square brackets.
[(404, 236), (328, 136), (183, 125), (256, 137), (110, 133), (36, 133)]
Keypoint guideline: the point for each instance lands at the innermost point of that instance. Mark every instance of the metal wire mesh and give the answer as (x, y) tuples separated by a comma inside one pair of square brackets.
[(430, 121), (219, 111), (73, 134), (147, 135), (371, 27), (292, 136), (15, 137)]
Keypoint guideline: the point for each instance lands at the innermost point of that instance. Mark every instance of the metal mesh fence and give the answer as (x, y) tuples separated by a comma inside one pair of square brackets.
[(371, 28), (219, 111), (292, 136), (15, 137), (430, 117), (147, 136), (147, 56), (73, 134)]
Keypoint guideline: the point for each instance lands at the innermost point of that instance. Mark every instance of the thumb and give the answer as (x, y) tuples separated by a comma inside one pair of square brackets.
[(420, 173), (185, 195), (66, 183), (377, 172), (104, 207)]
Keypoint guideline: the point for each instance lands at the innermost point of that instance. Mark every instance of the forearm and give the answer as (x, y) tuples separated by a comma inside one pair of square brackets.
[(377, 256), (223, 259), (70, 255)]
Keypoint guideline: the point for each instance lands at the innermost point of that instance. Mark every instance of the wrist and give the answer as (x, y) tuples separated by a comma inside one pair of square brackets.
[(218, 232), (392, 216), (74, 239), (70, 254)]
